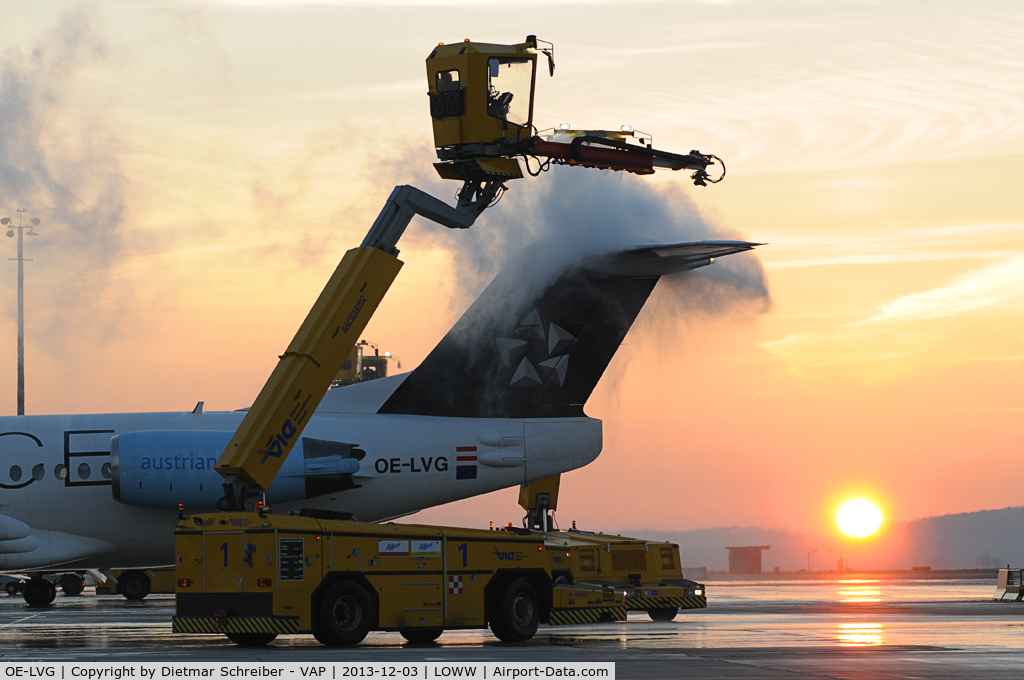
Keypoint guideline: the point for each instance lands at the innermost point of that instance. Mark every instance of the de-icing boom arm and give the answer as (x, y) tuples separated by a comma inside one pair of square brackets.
[(268, 431)]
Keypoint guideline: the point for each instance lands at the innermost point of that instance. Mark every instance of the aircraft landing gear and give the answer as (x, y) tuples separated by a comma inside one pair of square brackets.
[(39, 592), (72, 584), (134, 585)]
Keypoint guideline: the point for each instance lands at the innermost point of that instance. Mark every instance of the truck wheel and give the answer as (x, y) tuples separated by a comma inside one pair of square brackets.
[(421, 636), (518, 613), (11, 588), (251, 639), (134, 585), (663, 614), (72, 584), (37, 592), (346, 614)]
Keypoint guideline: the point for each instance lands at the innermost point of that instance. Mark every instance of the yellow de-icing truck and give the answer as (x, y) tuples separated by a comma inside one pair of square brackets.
[(252, 575)]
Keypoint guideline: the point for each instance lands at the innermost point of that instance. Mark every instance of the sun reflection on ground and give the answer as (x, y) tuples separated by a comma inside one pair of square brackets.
[(859, 590), (859, 634)]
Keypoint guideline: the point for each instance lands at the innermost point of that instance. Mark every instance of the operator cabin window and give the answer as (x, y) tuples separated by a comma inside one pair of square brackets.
[(448, 81), (508, 88), (449, 99)]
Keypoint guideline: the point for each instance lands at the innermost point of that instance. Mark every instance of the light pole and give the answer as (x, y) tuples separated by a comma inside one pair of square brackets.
[(809, 559), (34, 222)]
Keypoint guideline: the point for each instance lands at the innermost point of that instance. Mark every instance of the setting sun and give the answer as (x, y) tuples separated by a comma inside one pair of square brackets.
[(859, 519)]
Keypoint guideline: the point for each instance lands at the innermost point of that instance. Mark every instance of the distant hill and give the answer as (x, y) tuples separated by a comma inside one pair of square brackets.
[(993, 538), (988, 538)]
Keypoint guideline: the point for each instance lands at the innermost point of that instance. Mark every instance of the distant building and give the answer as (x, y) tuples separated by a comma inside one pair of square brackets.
[(746, 559)]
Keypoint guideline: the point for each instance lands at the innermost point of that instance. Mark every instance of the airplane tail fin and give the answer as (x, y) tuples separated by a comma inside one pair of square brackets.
[(537, 340)]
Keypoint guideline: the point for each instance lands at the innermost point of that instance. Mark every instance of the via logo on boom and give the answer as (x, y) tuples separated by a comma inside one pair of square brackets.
[(277, 445)]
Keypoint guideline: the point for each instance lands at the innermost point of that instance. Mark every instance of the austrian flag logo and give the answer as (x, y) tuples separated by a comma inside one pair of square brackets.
[(454, 585), (465, 462)]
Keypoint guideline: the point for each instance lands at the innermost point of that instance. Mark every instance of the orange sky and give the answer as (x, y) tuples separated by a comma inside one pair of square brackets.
[(216, 158)]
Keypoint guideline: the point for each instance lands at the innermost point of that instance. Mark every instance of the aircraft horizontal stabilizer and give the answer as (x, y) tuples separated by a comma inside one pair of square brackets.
[(666, 258)]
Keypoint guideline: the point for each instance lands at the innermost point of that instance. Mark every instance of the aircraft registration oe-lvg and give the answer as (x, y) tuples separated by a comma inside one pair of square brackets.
[(498, 402)]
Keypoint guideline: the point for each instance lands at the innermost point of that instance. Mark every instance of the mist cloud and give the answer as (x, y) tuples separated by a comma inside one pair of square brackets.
[(587, 213), (56, 162)]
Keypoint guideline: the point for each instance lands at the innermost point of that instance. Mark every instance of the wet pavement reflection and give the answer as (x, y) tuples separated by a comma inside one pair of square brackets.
[(886, 625)]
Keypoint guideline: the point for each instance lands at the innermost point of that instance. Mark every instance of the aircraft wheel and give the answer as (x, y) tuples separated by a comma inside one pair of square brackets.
[(37, 592), (72, 584), (134, 585), (251, 639), (421, 636), (346, 614), (663, 614), (51, 592), (11, 588), (518, 613)]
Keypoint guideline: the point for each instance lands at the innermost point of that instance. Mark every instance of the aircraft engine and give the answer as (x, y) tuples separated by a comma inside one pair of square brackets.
[(162, 468)]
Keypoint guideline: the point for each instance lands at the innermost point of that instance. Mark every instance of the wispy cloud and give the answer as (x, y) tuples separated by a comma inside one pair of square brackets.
[(909, 325), (1000, 285)]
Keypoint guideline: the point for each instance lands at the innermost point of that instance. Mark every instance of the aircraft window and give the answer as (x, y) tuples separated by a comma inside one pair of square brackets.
[(15, 473), (105, 471), (38, 472), (84, 471), (60, 471)]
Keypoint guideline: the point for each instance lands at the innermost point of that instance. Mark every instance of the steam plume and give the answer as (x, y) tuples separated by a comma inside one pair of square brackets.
[(56, 163), (589, 213)]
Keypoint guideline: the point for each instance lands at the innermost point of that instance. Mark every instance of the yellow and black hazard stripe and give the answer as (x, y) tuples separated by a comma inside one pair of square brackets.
[(688, 602), (236, 624), (565, 617)]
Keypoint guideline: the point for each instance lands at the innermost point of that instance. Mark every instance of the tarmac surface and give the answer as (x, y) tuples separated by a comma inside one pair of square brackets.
[(757, 629)]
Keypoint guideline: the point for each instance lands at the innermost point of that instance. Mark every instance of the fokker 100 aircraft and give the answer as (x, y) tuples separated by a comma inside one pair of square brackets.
[(498, 402)]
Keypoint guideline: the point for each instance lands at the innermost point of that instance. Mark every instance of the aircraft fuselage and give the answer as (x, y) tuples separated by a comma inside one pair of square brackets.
[(55, 475)]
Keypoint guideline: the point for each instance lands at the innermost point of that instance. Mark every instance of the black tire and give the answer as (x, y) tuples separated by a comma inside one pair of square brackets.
[(421, 636), (251, 639), (345, 615), (51, 592), (37, 592), (72, 584), (12, 588), (134, 585), (663, 614), (517, 613)]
